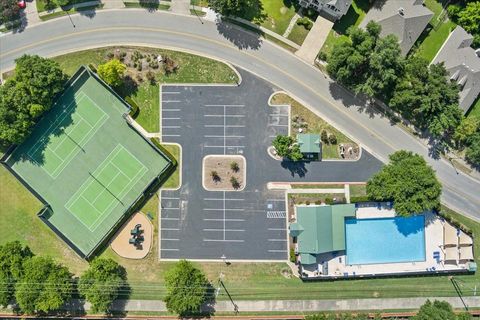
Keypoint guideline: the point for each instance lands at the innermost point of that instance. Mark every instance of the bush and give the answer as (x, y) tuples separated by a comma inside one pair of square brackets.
[(293, 257), (324, 136), (112, 72), (134, 110), (234, 166), (322, 56), (329, 201), (92, 67), (62, 3), (169, 65), (453, 10), (235, 183), (110, 55), (332, 139), (307, 23), (150, 77), (359, 199)]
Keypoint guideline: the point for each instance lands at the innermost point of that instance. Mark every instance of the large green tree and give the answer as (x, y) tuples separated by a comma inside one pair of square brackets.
[(425, 96), (367, 63), (12, 258), (439, 310), (187, 289), (465, 131), (9, 10), (27, 95), (473, 151), (287, 147), (409, 182), (44, 287), (112, 72), (102, 283)]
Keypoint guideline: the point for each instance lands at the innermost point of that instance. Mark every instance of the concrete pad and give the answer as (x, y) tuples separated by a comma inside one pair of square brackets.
[(120, 242), (315, 40)]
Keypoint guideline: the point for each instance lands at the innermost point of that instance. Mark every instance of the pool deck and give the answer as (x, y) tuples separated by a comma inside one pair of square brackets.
[(332, 265)]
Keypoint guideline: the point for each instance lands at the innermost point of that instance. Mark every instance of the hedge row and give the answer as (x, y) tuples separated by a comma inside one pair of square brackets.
[(134, 107)]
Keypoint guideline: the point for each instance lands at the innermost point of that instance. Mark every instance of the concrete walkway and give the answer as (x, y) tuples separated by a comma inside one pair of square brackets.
[(180, 6), (31, 14), (113, 4), (315, 40), (296, 305)]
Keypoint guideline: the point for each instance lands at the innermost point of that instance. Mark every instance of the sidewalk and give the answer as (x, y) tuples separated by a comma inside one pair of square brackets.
[(294, 305), (315, 40)]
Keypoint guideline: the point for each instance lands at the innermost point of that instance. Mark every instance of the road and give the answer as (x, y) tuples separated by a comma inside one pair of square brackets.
[(223, 41)]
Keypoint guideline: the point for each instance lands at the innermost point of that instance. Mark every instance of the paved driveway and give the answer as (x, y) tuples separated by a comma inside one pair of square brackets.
[(248, 224)]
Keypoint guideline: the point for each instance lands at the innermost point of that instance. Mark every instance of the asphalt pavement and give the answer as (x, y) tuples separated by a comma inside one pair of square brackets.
[(267, 60)]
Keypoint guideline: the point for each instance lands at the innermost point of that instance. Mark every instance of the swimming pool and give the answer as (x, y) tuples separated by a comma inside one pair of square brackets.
[(385, 240)]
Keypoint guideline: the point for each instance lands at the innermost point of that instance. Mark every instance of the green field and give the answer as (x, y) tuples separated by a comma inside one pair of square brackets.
[(86, 163)]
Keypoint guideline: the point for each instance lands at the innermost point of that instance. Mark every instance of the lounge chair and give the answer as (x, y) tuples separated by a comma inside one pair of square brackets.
[(451, 255), (450, 237), (466, 253), (464, 240)]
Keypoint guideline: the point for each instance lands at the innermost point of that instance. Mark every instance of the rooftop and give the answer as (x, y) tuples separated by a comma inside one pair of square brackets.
[(309, 143)]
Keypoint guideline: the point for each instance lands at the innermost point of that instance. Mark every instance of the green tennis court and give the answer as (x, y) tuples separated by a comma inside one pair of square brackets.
[(105, 187), (88, 165)]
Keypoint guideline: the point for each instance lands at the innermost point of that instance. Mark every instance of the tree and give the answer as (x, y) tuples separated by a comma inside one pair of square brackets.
[(44, 287), (473, 151), (295, 153), (438, 310), (466, 130), (469, 18), (9, 10), (12, 257), (112, 72), (427, 98), (27, 95), (62, 3), (234, 7), (409, 182), (367, 63), (282, 145), (235, 183), (234, 166), (214, 175), (187, 289), (102, 283)]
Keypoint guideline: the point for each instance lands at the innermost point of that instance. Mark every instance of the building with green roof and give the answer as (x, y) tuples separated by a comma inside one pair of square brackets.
[(320, 229), (310, 145)]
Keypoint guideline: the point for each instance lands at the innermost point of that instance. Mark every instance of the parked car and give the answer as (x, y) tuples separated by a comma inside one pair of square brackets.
[(22, 4)]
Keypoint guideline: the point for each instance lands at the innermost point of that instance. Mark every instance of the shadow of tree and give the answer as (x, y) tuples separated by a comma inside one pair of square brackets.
[(295, 167), (240, 38), (150, 5)]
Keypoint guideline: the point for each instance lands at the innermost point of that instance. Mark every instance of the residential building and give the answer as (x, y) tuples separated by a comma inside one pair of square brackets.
[(404, 18), (332, 9), (463, 64), (310, 145)]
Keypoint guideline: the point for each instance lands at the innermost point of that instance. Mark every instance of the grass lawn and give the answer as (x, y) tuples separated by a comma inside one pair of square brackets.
[(432, 40), (436, 7), (44, 5), (173, 181), (71, 11), (358, 190), (298, 34), (276, 15), (315, 124), (475, 109), (354, 17), (193, 69)]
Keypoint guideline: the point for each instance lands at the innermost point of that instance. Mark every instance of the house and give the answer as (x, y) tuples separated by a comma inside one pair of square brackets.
[(404, 18), (332, 9), (463, 65), (310, 145)]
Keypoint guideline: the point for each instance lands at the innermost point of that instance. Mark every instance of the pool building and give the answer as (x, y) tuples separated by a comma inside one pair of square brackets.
[(370, 240)]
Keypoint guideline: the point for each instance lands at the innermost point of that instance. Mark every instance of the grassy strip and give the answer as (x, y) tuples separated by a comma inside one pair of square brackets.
[(298, 34), (198, 13), (358, 190), (315, 124), (317, 186), (62, 13), (44, 5), (173, 181), (156, 6)]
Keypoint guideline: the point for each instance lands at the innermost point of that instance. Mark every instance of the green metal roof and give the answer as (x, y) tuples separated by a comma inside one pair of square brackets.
[(308, 142), (323, 227), (307, 258), (295, 229)]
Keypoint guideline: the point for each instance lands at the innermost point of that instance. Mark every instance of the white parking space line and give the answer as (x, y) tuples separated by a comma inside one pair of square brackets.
[(171, 127), (170, 92), (233, 220), (170, 208), (277, 240), (170, 198), (277, 125), (277, 229), (165, 249), (223, 230), (170, 135), (170, 229), (175, 219), (168, 109), (171, 118), (170, 101), (277, 200), (222, 240), (277, 250), (169, 239), (226, 105)]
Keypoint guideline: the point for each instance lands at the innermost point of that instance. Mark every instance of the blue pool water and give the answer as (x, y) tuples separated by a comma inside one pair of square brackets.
[(385, 240)]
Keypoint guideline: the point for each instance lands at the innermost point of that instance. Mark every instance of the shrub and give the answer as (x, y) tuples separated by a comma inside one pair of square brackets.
[(112, 72), (150, 77), (134, 110), (307, 23), (169, 65), (235, 183), (92, 67), (324, 136), (293, 257), (322, 56), (332, 139), (234, 166), (110, 55), (62, 3), (328, 200)]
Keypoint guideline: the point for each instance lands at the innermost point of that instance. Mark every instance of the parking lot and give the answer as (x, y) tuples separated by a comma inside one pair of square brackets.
[(239, 225)]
